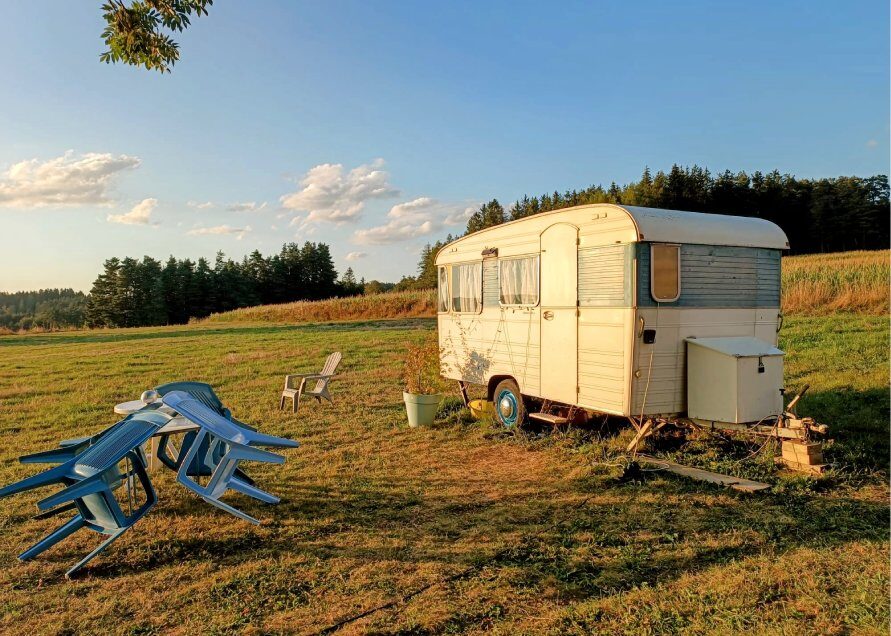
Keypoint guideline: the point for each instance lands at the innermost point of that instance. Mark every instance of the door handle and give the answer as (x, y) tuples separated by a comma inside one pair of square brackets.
[(548, 315)]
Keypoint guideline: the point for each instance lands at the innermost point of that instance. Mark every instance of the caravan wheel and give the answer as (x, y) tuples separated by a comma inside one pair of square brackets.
[(508, 402)]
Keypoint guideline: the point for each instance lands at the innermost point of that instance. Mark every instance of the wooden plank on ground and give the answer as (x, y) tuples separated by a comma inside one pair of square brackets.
[(737, 483), (549, 417)]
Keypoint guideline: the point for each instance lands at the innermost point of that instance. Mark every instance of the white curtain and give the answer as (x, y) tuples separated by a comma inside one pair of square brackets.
[(467, 287), (519, 281), (443, 289)]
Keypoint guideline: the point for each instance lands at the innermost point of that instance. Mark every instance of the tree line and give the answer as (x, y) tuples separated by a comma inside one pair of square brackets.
[(44, 308), (137, 293), (818, 215)]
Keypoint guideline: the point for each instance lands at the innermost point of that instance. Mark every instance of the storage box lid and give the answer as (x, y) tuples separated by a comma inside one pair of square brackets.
[(738, 346)]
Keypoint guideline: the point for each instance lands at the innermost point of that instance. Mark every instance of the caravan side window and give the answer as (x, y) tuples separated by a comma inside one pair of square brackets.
[(518, 278), (665, 272), (442, 304), (467, 288)]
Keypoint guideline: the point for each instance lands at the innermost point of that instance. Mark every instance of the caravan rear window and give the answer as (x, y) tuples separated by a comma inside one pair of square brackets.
[(518, 278), (665, 272), (442, 304), (467, 288)]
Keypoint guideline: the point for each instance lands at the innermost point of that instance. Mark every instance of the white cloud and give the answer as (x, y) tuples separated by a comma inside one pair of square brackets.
[(872, 143), (355, 256), (329, 194), (198, 205), (247, 206), (460, 217), (412, 219), (139, 214), (238, 232), (67, 180)]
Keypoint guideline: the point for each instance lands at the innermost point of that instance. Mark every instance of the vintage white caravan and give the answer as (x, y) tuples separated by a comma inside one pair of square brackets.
[(599, 309)]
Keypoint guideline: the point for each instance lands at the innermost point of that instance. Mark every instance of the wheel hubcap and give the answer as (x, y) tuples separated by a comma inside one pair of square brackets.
[(508, 408)]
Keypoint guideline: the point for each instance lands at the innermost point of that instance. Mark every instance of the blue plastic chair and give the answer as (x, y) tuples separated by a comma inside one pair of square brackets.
[(232, 443), (204, 462), (90, 479)]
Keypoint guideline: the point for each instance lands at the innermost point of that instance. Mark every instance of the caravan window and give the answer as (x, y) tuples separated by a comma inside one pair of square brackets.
[(519, 280), (467, 288), (665, 272), (442, 304)]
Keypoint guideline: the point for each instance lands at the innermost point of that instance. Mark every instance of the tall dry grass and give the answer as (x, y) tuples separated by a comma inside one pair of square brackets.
[(407, 304), (815, 284), (820, 284)]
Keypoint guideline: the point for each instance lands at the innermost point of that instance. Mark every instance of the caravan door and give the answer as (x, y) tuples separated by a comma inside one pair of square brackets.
[(559, 313)]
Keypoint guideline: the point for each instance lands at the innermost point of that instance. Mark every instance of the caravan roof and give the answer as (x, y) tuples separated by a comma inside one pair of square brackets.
[(676, 226), (634, 224)]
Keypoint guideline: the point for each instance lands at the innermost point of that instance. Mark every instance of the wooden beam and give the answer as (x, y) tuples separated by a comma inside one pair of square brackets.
[(737, 483), (771, 431), (642, 432), (463, 388)]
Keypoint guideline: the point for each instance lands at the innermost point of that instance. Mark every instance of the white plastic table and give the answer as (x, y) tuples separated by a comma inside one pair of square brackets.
[(177, 424)]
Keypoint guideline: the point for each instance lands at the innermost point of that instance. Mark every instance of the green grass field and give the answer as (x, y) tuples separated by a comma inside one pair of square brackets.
[(457, 528)]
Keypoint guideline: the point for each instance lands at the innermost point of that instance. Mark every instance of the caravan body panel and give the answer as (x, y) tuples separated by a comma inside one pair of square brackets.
[(729, 270)]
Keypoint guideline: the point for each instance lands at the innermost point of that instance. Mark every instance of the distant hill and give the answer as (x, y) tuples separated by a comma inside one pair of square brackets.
[(401, 304)]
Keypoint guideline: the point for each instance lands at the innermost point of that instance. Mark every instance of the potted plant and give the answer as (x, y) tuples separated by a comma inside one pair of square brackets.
[(420, 376)]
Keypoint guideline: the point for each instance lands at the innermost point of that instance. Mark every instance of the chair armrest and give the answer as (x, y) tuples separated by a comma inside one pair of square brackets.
[(315, 376), (289, 379), (309, 377), (304, 377)]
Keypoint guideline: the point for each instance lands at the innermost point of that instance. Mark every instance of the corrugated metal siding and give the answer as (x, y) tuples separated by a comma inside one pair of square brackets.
[(491, 290), (604, 276), (718, 276)]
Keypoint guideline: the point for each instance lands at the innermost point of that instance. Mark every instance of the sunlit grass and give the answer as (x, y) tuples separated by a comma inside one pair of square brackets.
[(405, 304), (819, 284)]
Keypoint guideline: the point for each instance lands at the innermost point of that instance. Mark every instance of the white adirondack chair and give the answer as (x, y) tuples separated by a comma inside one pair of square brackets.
[(319, 391)]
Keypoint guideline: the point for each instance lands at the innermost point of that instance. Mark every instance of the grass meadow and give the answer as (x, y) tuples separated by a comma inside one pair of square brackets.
[(458, 528)]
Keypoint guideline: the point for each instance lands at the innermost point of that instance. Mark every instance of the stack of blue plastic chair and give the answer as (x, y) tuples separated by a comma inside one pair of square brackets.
[(90, 471), (90, 468)]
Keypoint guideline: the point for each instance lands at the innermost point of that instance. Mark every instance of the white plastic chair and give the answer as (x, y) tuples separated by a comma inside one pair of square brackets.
[(319, 391)]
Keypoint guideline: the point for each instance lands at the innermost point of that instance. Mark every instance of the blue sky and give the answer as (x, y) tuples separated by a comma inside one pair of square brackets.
[(374, 127)]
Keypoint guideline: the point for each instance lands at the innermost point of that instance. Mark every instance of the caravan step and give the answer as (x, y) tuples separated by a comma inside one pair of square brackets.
[(548, 417)]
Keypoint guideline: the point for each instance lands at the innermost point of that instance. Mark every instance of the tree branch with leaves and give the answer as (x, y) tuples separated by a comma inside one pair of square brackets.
[(134, 32)]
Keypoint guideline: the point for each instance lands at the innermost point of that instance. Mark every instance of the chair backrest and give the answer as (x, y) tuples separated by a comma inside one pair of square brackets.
[(330, 367), (217, 425), (331, 363), (199, 390), (110, 448)]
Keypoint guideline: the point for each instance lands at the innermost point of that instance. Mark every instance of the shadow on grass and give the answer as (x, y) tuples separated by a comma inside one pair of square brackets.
[(858, 426), (581, 550)]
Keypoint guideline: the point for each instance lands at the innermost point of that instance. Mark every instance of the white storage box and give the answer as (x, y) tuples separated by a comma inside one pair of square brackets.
[(734, 379)]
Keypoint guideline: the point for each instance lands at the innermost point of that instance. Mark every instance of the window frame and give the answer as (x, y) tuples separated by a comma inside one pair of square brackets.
[(452, 267), (653, 246), (538, 289), (448, 284)]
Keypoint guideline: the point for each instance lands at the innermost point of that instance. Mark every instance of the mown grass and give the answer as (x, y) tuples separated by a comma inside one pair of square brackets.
[(817, 284), (457, 528)]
